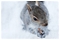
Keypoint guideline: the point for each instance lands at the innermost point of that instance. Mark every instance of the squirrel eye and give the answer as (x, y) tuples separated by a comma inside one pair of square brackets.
[(35, 19)]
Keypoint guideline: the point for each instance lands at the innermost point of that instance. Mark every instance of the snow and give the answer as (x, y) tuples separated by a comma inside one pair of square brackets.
[(12, 24)]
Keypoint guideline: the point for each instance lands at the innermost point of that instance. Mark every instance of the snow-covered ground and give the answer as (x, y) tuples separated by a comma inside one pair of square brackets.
[(12, 24)]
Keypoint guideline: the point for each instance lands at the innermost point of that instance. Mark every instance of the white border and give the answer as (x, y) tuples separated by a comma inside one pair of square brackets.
[(29, 0)]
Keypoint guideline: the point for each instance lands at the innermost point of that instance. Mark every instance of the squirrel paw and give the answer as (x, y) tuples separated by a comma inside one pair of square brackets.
[(41, 35)]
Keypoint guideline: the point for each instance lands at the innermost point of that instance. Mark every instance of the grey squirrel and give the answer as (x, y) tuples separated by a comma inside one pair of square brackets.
[(36, 15)]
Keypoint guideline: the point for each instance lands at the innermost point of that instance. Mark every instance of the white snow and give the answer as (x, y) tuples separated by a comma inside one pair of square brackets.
[(12, 24)]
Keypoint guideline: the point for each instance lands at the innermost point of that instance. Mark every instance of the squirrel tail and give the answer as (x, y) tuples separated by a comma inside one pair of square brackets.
[(33, 2), (42, 2)]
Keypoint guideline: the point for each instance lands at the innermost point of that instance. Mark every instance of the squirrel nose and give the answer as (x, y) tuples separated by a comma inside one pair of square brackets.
[(46, 24)]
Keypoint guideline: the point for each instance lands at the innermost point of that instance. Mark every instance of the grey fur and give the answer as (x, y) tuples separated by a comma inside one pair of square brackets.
[(40, 12)]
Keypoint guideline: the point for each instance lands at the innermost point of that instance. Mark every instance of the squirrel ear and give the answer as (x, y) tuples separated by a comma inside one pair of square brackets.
[(29, 7), (37, 3)]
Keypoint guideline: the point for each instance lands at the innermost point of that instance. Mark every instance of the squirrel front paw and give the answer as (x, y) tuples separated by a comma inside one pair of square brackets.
[(41, 35)]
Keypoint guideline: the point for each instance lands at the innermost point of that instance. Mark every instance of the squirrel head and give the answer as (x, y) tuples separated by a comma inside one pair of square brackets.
[(37, 15)]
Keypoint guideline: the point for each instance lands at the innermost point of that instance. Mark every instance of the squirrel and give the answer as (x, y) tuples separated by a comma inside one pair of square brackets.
[(35, 12)]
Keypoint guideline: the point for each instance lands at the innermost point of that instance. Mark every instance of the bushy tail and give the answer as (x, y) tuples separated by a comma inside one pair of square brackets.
[(41, 1), (33, 2)]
